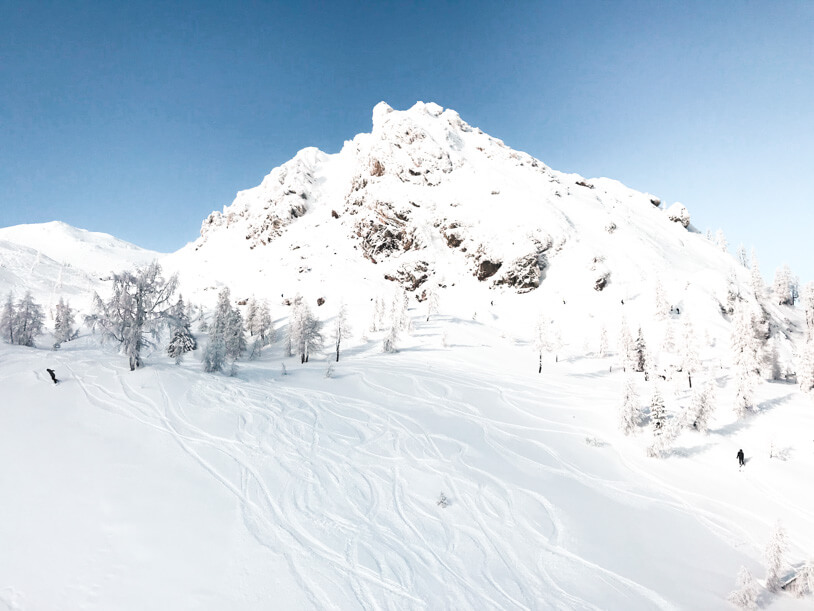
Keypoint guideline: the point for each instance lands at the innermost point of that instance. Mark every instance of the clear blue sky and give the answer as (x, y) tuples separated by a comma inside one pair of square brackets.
[(138, 119)]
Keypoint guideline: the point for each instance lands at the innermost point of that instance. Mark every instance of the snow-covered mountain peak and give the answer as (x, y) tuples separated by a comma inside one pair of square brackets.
[(429, 203)]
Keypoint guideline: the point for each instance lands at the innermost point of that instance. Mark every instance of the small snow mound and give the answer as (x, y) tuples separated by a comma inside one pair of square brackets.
[(678, 213)]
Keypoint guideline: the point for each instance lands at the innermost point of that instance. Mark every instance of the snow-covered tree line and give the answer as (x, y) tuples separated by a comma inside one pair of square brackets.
[(22, 321)]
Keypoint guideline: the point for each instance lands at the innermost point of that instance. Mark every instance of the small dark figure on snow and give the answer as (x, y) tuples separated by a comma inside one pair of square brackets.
[(53, 375), (740, 458)]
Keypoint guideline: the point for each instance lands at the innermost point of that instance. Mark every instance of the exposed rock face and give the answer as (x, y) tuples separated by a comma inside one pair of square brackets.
[(264, 212), (678, 214)]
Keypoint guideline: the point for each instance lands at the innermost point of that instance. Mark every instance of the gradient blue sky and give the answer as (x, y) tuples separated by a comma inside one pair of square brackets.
[(139, 119)]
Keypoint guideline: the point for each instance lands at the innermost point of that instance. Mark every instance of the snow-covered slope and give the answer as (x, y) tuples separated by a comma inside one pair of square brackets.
[(54, 260), (316, 485), (171, 488)]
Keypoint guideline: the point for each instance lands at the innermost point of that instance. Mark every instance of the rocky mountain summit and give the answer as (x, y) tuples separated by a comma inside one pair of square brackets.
[(425, 193)]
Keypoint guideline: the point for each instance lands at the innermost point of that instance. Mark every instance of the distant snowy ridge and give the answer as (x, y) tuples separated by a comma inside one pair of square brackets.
[(54, 260)]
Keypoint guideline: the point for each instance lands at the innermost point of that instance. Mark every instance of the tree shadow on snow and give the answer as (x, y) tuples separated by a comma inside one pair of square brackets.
[(769, 405)]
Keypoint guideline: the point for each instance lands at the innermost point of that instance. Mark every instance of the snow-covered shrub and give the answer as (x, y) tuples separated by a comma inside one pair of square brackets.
[(745, 597)]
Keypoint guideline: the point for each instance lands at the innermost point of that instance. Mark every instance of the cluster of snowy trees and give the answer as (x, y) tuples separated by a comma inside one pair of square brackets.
[(800, 584), (227, 338), (22, 321), (304, 332), (393, 317)]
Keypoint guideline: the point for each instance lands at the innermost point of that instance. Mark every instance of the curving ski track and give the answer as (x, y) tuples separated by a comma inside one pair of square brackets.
[(344, 488)]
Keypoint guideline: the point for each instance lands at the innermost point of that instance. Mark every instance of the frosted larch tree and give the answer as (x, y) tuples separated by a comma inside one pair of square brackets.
[(658, 413), (662, 306), (640, 350), (782, 286), (808, 307), (720, 240), (744, 349), (803, 583), (251, 319), (775, 558), (63, 323), (689, 352), (7, 320), (341, 328), (138, 307), (756, 279), (743, 258), (805, 368), (28, 321), (630, 411), (432, 304)]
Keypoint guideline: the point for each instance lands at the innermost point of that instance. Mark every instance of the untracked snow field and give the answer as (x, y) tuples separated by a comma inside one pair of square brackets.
[(170, 488)]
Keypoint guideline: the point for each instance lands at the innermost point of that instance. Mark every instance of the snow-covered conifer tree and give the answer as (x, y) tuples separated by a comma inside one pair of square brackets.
[(804, 580), (658, 413), (782, 287), (626, 347), (703, 406), (774, 555), (745, 597), (263, 324), (603, 341), (252, 312), (640, 362), (808, 307), (630, 412), (63, 323), (756, 279), (745, 349), (377, 322), (138, 306), (432, 304), (390, 342), (668, 341), (341, 328), (182, 342), (304, 333), (28, 321), (743, 259), (771, 359), (805, 368), (720, 240), (235, 336), (7, 320), (662, 306), (221, 335), (689, 352), (214, 357)]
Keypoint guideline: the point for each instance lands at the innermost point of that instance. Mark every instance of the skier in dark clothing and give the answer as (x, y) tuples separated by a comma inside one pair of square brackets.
[(53, 375), (740, 458)]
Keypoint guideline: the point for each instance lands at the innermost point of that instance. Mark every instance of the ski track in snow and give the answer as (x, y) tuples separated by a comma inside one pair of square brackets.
[(330, 483)]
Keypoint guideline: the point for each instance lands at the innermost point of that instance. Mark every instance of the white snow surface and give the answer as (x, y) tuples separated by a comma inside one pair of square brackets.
[(171, 488)]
